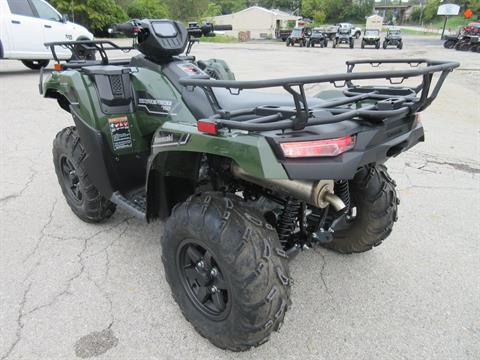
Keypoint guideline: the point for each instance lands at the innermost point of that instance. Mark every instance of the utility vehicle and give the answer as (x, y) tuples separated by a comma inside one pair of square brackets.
[(371, 38), (297, 36), (344, 36), (393, 38), (245, 179), (317, 36)]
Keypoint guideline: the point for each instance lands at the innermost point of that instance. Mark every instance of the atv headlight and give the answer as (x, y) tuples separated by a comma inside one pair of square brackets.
[(318, 148)]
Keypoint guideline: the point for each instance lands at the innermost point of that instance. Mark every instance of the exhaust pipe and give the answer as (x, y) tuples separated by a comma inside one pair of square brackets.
[(318, 193)]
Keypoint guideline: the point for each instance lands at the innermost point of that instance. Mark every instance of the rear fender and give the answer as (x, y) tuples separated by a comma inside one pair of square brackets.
[(177, 151)]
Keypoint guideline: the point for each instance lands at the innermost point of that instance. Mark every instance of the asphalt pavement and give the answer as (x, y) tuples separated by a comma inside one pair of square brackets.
[(74, 290)]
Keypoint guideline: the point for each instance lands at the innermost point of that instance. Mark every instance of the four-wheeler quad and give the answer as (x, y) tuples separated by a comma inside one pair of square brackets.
[(297, 36), (317, 36), (344, 36), (245, 179), (467, 39), (393, 38), (371, 38)]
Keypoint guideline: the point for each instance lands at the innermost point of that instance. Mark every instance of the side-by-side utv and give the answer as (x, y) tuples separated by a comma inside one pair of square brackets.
[(371, 37), (393, 38), (344, 36), (244, 179)]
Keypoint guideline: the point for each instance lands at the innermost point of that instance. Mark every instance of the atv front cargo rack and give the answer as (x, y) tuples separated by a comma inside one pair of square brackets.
[(372, 103), (81, 47)]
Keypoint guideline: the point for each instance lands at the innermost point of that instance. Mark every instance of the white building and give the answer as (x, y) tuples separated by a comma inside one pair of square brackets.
[(260, 22)]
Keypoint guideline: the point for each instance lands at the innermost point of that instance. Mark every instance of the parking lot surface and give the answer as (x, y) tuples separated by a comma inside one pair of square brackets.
[(70, 289)]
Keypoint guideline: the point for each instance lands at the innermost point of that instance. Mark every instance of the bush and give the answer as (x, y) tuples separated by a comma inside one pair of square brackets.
[(96, 15), (151, 9)]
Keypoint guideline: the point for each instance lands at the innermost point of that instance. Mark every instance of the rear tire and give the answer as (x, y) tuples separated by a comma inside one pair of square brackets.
[(254, 282), (384, 44), (373, 193), (82, 196), (35, 64)]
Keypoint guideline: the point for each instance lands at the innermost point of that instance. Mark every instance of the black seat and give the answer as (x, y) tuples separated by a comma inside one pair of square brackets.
[(197, 102), (251, 99)]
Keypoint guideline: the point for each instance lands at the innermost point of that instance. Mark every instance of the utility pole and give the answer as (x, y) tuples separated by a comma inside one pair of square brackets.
[(421, 13)]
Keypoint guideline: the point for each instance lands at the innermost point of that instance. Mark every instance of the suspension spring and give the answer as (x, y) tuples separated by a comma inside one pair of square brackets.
[(287, 222), (342, 189)]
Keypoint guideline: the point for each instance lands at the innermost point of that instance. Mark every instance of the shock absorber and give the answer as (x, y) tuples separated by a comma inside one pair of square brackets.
[(342, 190), (287, 221)]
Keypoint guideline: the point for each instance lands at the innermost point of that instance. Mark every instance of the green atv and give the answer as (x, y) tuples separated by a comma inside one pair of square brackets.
[(244, 179)]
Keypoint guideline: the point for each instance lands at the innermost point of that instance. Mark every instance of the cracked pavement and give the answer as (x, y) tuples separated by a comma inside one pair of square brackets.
[(74, 290)]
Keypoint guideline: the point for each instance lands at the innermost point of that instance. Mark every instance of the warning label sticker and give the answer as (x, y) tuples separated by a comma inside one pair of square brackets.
[(120, 130)]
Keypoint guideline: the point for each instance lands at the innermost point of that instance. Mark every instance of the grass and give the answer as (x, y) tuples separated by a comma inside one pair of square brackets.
[(453, 22), (417, 32), (219, 39)]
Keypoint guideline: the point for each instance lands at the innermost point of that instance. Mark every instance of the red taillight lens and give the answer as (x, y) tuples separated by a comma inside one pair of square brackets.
[(207, 127), (317, 148)]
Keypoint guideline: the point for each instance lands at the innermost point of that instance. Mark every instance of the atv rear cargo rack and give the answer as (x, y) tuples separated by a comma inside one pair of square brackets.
[(372, 103)]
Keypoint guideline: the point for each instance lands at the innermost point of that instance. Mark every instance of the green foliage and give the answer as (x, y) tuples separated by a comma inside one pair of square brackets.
[(151, 9), (96, 15), (319, 17), (337, 10), (430, 10), (230, 6), (212, 10)]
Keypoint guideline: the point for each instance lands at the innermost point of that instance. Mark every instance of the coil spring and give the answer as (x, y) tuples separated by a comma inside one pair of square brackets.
[(287, 222), (342, 189)]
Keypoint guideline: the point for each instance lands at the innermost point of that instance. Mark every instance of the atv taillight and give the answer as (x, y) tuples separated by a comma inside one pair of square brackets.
[(318, 148), (208, 127)]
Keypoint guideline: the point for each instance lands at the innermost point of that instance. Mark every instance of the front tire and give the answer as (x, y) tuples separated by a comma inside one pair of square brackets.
[(35, 64), (211, 234), (373, 193), (81, 194)]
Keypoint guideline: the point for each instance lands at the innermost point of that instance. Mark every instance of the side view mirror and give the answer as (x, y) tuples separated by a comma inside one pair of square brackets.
[(64, 18)]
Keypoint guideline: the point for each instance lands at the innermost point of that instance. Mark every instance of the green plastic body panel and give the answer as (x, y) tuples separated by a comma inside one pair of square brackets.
[(248, 150)]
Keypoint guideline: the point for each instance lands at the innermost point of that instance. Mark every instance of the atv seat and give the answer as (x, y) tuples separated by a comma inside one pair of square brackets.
[(246, 99)]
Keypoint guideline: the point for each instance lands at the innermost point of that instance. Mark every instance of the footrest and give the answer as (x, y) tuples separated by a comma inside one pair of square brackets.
[(134, 203)]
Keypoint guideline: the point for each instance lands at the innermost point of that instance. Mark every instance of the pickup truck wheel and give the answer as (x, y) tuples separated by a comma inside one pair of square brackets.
[(80, 53), (81, 195), (35, 64), (227, 270), (373, 193)]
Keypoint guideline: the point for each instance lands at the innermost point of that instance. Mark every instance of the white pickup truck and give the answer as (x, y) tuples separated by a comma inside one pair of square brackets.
[(25, 25), (356, 31)]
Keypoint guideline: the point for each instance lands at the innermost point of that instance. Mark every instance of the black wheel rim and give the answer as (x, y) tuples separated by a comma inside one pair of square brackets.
[(71, 179), (203, 279)]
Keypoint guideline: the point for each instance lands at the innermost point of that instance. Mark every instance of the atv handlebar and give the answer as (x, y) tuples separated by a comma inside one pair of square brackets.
[(222, 27), (126, 27), (206, 29)]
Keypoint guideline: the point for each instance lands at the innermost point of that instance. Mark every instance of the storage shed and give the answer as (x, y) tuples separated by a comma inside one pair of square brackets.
[(374, 22), (260, 22)]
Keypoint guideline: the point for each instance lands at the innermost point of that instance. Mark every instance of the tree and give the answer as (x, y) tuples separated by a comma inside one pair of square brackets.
[(230, 6), (96, 15), (430, 10), (319, 17), (186, 10), (151, 9), (212, 10)]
